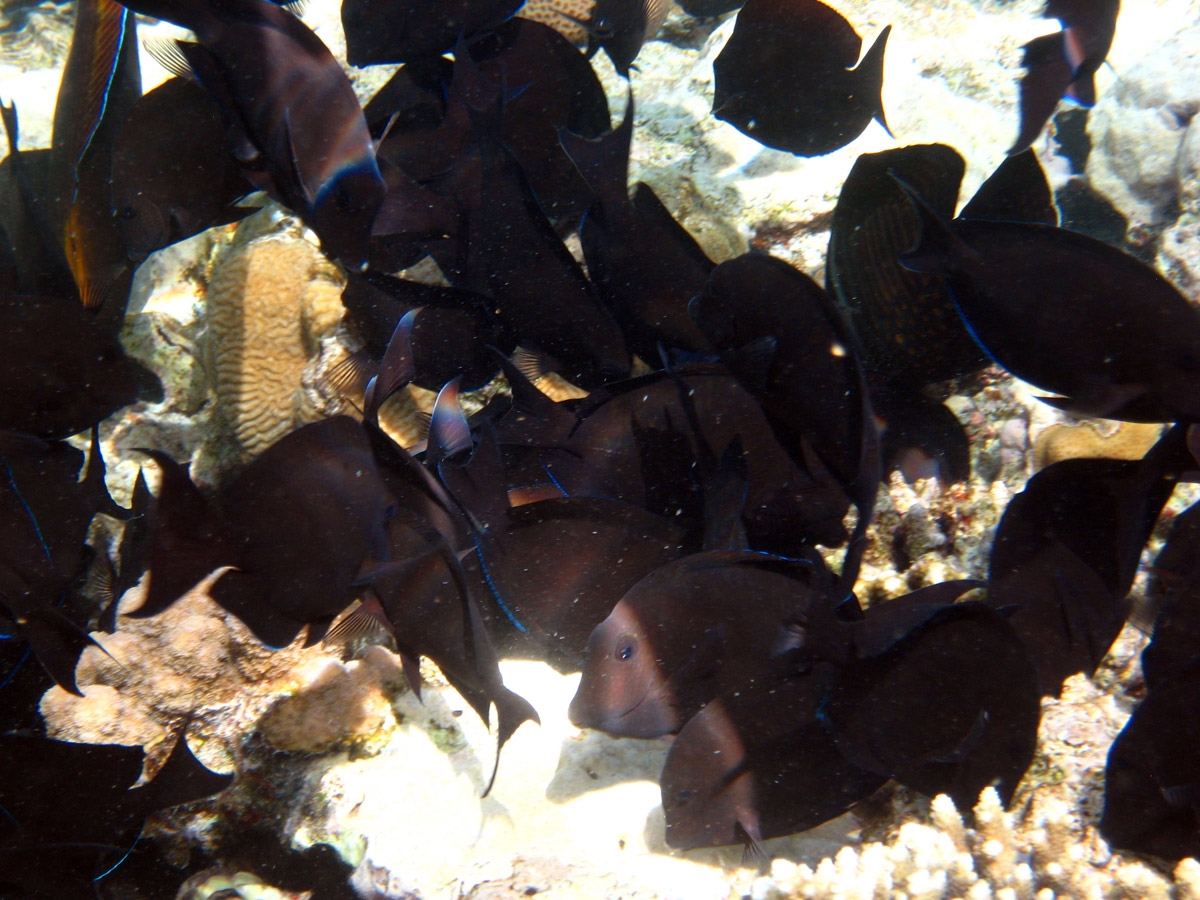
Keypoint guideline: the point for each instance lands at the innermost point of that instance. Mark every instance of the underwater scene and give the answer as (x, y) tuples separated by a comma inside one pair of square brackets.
[(474, 449)]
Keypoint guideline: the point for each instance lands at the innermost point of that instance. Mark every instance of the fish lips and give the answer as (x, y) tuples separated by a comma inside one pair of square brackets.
[(652, 715)]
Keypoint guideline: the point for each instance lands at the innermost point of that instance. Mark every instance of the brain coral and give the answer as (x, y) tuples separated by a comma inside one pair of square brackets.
[(269, 302)]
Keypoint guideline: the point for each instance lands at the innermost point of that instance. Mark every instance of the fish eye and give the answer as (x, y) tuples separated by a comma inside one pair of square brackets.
[(626, 647)]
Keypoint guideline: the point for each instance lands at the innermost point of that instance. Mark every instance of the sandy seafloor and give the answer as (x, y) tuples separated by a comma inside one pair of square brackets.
[(342, 752)]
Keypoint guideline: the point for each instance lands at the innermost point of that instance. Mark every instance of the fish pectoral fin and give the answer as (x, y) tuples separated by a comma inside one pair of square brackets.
[(967, 744)]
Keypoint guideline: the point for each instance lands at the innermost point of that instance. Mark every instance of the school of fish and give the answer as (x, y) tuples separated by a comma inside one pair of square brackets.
[(661, 535)]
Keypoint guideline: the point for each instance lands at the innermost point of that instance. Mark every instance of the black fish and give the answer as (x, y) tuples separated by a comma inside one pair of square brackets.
[(789, 345), (645, 265), (1152, 778), (951, 707), (755, 764), (541, 294), (58, 791), (785, 77), (604, 449), (400, 31), (1064, 63), (621, 27), (1176, 579), (100, 85), (1067, 550), (46, 509), (557, 567), (297, 124), (1069, 314), (909, 332), (301, 526), (61, 368), (687, 633), (169, 179)]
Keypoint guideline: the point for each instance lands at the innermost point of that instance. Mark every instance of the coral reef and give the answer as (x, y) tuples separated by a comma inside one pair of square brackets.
[(1111, 440)]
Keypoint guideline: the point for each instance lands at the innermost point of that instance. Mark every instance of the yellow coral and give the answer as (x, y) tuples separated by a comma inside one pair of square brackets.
[(268, 303), (1122, 440)]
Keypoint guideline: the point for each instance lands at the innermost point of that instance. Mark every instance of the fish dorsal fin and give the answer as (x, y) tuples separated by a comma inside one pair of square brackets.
[(397, 368), (166, 52)]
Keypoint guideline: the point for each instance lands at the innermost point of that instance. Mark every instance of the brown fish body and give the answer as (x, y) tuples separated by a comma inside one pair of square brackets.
[(756, 764), (685, 634), (170, 179), (305, 518), (1071, 315), (787, 77), (61, 370)]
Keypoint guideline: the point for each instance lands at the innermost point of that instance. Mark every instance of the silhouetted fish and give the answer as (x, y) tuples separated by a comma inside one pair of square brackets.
[(621, 27), (602, 449), (1065, 62), (755, 764), (687, 633), (100, 85), (1070, 315), (297, 124), (541, 293), (787, 77), (396, 31), (910, 334), (951, 707), (1176, 579), (170, 178), (789, 345), (645, 265), (1067, 550), (1152, 777), (46, 508), (61, 369), (301, 526)]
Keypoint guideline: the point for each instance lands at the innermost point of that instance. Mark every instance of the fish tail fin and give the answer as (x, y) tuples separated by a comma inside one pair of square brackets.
[(871, 68), (938, 250), (512, 710), (187, 539), (183, 778), (604, 161)]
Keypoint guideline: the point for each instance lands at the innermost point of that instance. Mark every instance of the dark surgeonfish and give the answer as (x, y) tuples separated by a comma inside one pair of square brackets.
[(1064, 64), (787, 77), (45, 511), (686, 634), (542, 295), (1152, 777), (296, 123), (622, 27), (401, 31), (62, 370), (72, 812), (1067, 550), (170, 178), (1176, 579), (951, 707), (612, 446), (910, 335), (100, 85), (556, 567), (1069, 314), (790, 346), (645, 265), (300, 527), (757, 763)]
